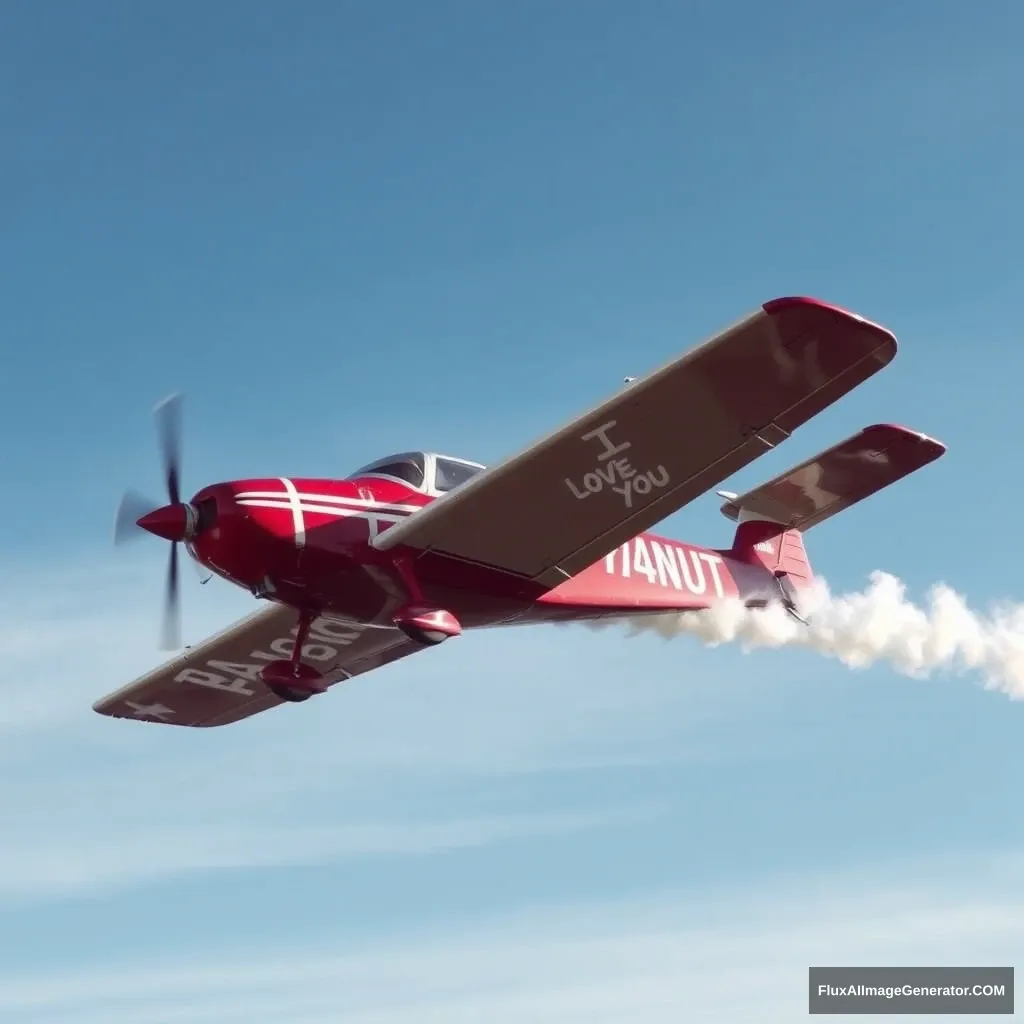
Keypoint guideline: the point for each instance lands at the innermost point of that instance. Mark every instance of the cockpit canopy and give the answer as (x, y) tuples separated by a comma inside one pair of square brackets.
[(425, 471)]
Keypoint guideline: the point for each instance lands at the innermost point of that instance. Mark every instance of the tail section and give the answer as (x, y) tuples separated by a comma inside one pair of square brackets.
[(771, 519), (780, 551)]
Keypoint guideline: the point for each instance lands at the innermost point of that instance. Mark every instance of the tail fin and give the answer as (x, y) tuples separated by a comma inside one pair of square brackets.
[(771, 519), (780, 551)]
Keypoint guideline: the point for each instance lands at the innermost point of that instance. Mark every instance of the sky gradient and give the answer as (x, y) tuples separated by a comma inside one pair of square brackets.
[(348, 229)]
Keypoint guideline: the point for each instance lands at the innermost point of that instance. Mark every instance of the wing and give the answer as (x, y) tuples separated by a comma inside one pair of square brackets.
[(565, 502), (217, 682)]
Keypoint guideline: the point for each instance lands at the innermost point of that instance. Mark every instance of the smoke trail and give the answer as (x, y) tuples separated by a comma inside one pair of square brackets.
[(877, 624)]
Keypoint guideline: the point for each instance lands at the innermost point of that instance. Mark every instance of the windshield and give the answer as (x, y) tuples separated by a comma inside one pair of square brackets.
[(450, 474), (407, 467)]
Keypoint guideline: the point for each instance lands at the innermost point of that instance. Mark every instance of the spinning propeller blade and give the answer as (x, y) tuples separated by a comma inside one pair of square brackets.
[(126, 523), (171, 629), (172, 521), (168, 425)]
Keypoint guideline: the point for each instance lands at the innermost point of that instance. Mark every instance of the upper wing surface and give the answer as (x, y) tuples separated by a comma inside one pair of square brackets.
[(566, 501)]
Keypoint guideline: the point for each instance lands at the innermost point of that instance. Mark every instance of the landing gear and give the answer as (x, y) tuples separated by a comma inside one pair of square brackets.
[(427, 626), (292, 680), (291, 694), (422, 623)]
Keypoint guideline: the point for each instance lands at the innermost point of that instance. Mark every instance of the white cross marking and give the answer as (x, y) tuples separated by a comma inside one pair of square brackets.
[(298, 518)]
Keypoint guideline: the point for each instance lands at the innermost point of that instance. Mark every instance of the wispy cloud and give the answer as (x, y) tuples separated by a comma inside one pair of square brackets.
[(734, 958), (87, 861), (67, 629)]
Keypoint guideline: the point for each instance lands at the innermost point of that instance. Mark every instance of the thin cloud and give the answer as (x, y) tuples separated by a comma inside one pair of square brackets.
[(717, 959), (66, 632), (73, 865)]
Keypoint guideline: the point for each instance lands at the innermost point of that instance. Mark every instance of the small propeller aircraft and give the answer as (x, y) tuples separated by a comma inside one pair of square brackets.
[(415, 547)]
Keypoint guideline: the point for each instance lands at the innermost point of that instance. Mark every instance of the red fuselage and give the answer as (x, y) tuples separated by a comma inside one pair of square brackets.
[(307, 543)]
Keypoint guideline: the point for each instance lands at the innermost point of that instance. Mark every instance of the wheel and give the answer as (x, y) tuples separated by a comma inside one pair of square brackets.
[(427, 637), (292, 682), (292, 694)]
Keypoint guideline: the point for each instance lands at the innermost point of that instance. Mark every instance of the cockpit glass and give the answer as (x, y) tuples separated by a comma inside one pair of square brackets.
[(450, 474), (405, 467)]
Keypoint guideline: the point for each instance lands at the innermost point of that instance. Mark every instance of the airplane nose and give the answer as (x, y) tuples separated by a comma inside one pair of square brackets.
[(171, 522)]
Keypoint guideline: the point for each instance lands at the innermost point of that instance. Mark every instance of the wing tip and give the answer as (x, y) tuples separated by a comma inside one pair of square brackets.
[(797, 302), (932, 447)]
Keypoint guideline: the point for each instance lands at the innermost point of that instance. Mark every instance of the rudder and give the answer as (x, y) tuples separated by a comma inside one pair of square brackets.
[(780, 550)]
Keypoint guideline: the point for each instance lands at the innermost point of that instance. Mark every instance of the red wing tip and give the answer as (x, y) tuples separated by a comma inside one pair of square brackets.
[(773, 306), (938, 447), (788, 301)]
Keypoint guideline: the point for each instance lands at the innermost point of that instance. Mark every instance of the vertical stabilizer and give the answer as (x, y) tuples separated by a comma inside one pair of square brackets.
[(762, 541)]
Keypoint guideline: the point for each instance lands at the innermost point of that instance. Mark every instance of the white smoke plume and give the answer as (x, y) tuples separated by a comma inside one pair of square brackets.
[(877, 624)]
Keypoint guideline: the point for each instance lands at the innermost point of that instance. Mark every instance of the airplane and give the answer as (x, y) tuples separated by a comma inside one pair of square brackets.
[(416, 547)]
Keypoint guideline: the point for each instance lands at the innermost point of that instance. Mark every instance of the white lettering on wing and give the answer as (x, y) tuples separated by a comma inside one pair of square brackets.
[(610, 448), (668, 565), (323, 643), (615, 472)]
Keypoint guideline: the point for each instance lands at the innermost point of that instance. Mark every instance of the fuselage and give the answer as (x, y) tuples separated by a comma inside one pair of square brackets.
[(309, 543)]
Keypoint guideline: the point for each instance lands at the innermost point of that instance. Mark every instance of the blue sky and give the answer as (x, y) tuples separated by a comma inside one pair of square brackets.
[(348, 229)]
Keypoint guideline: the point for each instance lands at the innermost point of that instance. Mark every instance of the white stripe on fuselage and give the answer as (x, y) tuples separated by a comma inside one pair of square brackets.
[(334, 499), (327, 510), (298, 519)]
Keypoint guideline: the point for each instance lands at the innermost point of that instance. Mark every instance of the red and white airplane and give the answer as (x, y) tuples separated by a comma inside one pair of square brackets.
[(413, 548)]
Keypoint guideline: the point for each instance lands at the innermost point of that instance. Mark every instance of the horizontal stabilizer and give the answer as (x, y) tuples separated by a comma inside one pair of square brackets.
[(837, 478)]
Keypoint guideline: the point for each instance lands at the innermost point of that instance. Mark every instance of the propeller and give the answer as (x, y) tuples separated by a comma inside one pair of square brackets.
[(175, 521)]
